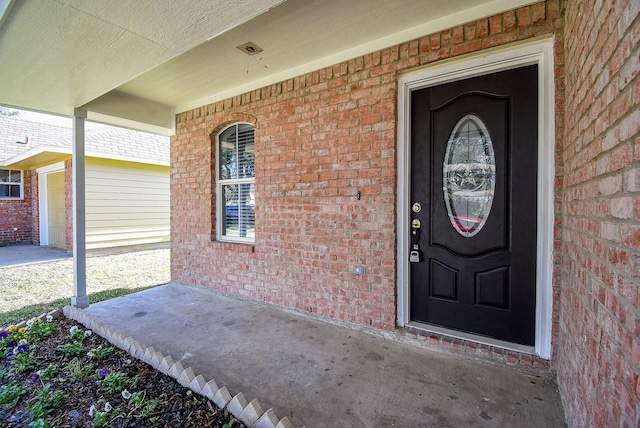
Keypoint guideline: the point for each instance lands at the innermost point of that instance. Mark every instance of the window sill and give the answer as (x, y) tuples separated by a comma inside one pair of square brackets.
[(234, 246)]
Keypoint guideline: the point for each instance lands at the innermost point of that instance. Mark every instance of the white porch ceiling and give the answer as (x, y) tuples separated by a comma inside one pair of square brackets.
[(138, 62)]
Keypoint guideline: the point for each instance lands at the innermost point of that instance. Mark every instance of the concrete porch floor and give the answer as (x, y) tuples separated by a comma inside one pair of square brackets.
[(324, 375)]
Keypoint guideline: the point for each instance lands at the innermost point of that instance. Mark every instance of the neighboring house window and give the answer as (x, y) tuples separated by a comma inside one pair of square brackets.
[(236, 184), (10, 184)]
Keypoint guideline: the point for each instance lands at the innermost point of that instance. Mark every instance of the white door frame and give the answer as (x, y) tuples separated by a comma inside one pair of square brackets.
[(540, 52), (43, 198)]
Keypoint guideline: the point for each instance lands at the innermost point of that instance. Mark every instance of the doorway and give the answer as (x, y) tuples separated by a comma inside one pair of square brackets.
[(463, 172), (473, 197), (51, 205), (56, 211)]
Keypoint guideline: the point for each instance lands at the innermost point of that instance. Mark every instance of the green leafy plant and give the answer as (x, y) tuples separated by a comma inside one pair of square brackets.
[(148, 409), (77, 371), (106, 417), (229, 424), (113, 383), (10, 395), (100, 352), (49, 372), (134, 381), (39, 330), (140, 408), (41, 423), (22, 362), (72, 349), (101, 419), (77, 335), (75, 347), (45, 402), (136, 399)]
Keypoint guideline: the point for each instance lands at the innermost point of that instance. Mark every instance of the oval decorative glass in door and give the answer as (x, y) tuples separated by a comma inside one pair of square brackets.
[(469, 175)]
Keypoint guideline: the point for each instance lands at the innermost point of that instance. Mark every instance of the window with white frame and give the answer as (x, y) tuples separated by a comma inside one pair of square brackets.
[(10, 184), (235, 188)]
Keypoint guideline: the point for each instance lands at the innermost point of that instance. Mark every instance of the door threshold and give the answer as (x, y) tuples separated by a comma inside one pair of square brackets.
[(483, 340)]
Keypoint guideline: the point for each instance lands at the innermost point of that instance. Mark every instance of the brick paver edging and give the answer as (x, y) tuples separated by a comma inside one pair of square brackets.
[(249, 413)]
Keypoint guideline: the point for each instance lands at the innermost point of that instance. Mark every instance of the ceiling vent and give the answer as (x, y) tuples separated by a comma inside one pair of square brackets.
[(250, 48)]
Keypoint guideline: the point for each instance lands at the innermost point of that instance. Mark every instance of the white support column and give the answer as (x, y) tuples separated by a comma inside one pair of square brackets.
[(80, 298)]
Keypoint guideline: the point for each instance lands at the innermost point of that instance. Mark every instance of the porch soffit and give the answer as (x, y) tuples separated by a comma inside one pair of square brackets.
[(140, 62), (37, 157)]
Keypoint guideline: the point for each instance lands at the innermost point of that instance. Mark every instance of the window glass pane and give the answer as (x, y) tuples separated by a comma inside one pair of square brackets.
[(227, 155), (238, 218), (469, 176), (4, 190), (237, 152), (246, 152), (15, 191), (14, 176), (4, 175)]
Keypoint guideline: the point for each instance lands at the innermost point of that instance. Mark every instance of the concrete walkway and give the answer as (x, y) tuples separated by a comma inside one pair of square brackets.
[(15, 255), (324, 375), (22, 254)]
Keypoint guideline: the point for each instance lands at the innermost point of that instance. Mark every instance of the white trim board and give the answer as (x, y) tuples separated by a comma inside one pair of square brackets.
[(540, 52)]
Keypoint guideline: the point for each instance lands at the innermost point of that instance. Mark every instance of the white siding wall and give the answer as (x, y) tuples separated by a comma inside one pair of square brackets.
[(127, 203)]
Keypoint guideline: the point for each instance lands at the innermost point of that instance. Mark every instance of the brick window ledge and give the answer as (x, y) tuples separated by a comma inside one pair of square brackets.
[(234, 246)]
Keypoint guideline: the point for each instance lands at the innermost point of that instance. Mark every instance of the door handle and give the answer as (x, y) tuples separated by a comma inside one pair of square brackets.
[(416, 255), (415, 230)]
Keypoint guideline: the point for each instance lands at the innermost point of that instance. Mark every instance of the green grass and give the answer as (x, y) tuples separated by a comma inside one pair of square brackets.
[(30, 290)]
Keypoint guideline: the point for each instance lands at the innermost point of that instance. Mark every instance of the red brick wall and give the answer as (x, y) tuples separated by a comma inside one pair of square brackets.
[(321, 138), (17, 214), (599, 356)]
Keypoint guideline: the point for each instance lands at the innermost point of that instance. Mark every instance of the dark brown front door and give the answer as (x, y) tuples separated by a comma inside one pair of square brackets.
[(473, 204)]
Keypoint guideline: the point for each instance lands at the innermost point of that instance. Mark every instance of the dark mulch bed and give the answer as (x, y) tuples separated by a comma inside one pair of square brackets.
[(83, 381)]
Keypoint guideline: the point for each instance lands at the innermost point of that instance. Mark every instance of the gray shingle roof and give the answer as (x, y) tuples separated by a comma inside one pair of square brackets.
[(107, 141)]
